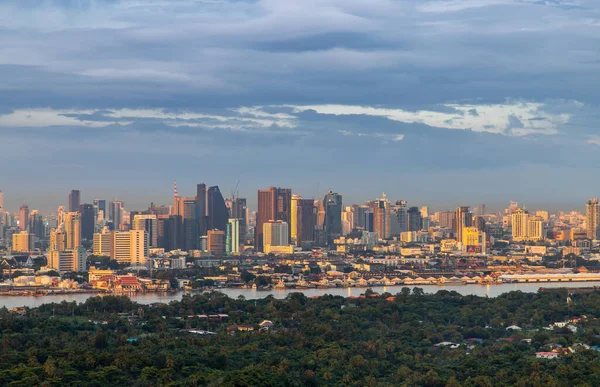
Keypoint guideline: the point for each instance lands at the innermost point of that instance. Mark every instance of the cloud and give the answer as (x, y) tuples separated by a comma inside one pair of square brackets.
[(514, 118)]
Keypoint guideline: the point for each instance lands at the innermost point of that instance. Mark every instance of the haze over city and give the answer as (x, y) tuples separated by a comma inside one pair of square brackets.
[(440, 103)]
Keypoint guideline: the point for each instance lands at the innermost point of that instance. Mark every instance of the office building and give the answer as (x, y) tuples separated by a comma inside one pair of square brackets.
[(88, 223), (130, 247), (275, 233), (72, 260), (520, 225), (58, 240), (401, 216), (216, 242), (535, 229), (217, 211), (481, 210), (462, 219), (446, 219), (74, 200), (232, 244), (24, 217), (148, 223), (473, 240), (73, 230), (116, 214), (36, 225), (239, 211), (592, 219), (273, 204), (201, 209), (381, 217), (100, 205), (479, 223), (103, 242), (414, 219), (23, 242), (333, 216)]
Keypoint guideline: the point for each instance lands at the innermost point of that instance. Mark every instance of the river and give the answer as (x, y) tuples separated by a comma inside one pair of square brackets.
[(149, 298)]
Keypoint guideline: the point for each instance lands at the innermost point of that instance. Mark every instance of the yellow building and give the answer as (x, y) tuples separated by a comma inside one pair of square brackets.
[(73, 230), (23, 242), (58, 240)]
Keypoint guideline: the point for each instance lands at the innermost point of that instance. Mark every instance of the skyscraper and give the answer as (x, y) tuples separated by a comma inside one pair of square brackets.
[(381, 214), (520, 225), (24, 217), (36, 225), (295, 208), (100, 205), (402, 215), (592, 219), (463, 218), (201, 208), (170, 234), (130, 247), (23, 242), (239, 211), (275, 233), (74, 198), (333, 215), (73, 230), (190, 230), (1, 201), (232, 244), (273, 204), (217, 210), (116, 209), (414, 219), (148, 223), (87, 221), (216, 242)]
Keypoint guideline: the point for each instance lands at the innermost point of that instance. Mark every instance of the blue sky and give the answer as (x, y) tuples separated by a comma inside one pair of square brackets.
[(442, 103)]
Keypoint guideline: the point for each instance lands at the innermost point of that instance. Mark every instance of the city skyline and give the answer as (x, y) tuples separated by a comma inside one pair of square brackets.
[(420, 100), (130, 202)]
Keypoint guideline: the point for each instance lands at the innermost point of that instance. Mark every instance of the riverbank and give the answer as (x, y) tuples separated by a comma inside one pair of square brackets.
[(250, 294)]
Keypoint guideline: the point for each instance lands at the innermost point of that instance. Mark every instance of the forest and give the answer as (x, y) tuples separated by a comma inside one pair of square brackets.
[(407, 339)]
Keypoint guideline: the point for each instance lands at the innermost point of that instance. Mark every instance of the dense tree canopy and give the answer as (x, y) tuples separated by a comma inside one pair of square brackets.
[(372, 341)]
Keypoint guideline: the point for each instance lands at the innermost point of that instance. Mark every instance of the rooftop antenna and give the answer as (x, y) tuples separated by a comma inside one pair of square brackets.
[(316, 191), (175, 188), (235, 191)]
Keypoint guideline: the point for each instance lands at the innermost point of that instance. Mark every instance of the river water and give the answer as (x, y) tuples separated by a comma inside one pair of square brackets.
[(149, 298)]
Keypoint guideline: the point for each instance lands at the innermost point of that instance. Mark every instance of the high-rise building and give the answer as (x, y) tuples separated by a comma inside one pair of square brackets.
[(381, 217), (473, 240), (72, 260), (520, 225), (402, 215), (103, 242), (305, 221), (87, 221), (24, 217), (535, 229), (273, 204), (275, 233), (446, 219), (481, 210), (239, 211), (36, 225), (479, 222), (462, 219), (217, 213), (58, 240), (148, 223), (1, 201), (170, 234), (333, 215), (201, 208), (592, 219), (415, 220), (74, 200), (130, 247), (189, 226), (116, 214), (100, 205), (216, 242), (73, 230), (23, 242), (232, 244), (294, 214)]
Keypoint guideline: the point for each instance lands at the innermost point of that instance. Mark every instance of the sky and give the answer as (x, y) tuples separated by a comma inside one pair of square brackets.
[(439, 102)]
